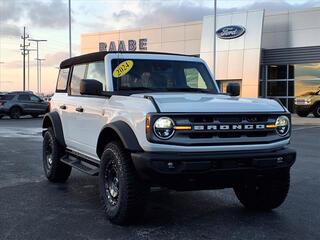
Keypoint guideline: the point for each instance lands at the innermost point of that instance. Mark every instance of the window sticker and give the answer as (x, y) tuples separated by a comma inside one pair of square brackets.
[(122, 69)]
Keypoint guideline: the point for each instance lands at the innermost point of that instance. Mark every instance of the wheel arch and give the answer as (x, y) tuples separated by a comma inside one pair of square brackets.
[(118, 130), (315, 104), (52, 119), (16, 106)]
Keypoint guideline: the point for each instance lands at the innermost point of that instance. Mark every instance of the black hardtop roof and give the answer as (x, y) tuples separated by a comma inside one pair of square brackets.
[(99, 56)]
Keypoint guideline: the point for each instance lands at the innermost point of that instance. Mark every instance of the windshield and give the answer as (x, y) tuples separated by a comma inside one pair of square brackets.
[(161, 75)]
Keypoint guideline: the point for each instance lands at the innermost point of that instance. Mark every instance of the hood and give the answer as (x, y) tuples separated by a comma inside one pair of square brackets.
[(202, 102)]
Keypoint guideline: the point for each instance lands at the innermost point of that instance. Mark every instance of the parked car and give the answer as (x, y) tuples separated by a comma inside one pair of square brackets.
[(149, 119), (308, 103), (17, 104)]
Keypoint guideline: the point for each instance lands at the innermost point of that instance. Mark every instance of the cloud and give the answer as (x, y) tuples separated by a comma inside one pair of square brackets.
[(160, 12), (9, 30), (54, 60), (48, 14), (124, 14), (51, 60), (44, 14)]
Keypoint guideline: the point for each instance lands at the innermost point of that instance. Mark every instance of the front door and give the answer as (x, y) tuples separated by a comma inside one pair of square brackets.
[(87, 110)]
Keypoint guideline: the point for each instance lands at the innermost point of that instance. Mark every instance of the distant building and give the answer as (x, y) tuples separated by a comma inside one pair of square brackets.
[(274, 55)]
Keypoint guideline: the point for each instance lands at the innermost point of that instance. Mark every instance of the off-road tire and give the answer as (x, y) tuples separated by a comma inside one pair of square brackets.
[(303, 113), (55, 171), (266, 193), (128, 206), (15, 113), (316, 111)]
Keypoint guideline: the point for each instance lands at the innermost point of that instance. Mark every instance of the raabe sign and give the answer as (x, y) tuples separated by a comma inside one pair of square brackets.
[(122, 46), (230, 32)]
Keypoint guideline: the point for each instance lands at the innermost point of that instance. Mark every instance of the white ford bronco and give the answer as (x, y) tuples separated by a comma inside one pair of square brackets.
[(142, 119)]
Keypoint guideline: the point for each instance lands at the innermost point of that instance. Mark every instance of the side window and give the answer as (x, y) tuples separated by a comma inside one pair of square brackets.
[(194, 78), (62, 79), (96, 71), (34, 98), (24, 97), (78, 74)]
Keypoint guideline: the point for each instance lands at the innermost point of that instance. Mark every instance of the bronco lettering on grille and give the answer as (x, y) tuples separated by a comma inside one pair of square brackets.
[(226, 127)]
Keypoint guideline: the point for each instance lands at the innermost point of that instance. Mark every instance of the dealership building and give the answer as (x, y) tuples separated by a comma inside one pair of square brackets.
[(273, 55)]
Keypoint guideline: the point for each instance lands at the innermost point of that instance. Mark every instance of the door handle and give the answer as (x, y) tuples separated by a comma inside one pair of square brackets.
[(63, 107), (79, 109)]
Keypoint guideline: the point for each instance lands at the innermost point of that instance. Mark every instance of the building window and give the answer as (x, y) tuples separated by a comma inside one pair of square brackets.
[(307, 78), (277, 72), (285, 82), (277, 88)]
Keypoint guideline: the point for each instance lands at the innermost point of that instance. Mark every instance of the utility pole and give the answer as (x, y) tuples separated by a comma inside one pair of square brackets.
[(37, 42), (40, 60), (214, 39), (24, 46), (70, 44)]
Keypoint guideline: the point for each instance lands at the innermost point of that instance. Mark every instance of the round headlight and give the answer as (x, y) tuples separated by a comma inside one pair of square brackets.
[(282, 125), (164, 128)]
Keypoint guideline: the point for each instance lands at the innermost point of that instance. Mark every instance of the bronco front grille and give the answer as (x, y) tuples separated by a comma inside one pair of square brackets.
[(217, 129)]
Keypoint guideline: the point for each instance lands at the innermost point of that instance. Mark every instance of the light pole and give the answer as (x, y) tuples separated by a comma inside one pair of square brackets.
[(70, 45), (0, 73), (29, 50), (214, 39), (40, 60), (37, 42)]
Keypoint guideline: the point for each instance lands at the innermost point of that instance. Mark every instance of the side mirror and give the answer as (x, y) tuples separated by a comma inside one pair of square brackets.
[(233, 89), (91, 87)]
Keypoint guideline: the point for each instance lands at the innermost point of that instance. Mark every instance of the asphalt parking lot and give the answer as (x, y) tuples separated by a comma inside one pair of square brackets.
[(33, 208)]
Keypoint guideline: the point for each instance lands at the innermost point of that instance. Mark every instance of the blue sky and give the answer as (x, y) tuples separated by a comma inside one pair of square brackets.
[(48, 19)]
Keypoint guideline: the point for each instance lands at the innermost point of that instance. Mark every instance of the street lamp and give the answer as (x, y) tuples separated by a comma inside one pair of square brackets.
[(37, 42), (0, 72), (70, 45), (40, 60)]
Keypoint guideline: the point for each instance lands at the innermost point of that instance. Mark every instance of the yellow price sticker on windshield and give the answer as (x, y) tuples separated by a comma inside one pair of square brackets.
[(122, 69)]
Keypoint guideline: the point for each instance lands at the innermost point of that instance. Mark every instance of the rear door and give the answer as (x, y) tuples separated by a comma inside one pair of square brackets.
[(24, 103)]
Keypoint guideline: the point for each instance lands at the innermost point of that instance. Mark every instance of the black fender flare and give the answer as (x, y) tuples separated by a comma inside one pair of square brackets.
[(123, 131), (52, 119)]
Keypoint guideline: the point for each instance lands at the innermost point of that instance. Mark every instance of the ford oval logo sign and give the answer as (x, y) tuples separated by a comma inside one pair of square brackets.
[(230, 32)]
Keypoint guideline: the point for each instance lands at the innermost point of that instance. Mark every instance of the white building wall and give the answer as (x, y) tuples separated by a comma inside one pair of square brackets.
[(291, 29), (182, 38), (239, 58)]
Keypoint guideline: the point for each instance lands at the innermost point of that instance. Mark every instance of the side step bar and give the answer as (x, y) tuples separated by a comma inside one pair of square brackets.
[(81, 163)]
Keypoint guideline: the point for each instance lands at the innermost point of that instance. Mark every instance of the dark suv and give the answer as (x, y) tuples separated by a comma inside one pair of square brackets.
[(23, 103)]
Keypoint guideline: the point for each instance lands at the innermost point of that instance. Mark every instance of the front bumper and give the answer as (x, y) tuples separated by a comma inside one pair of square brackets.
[(188, 171), (303, 108), (3, 111)]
